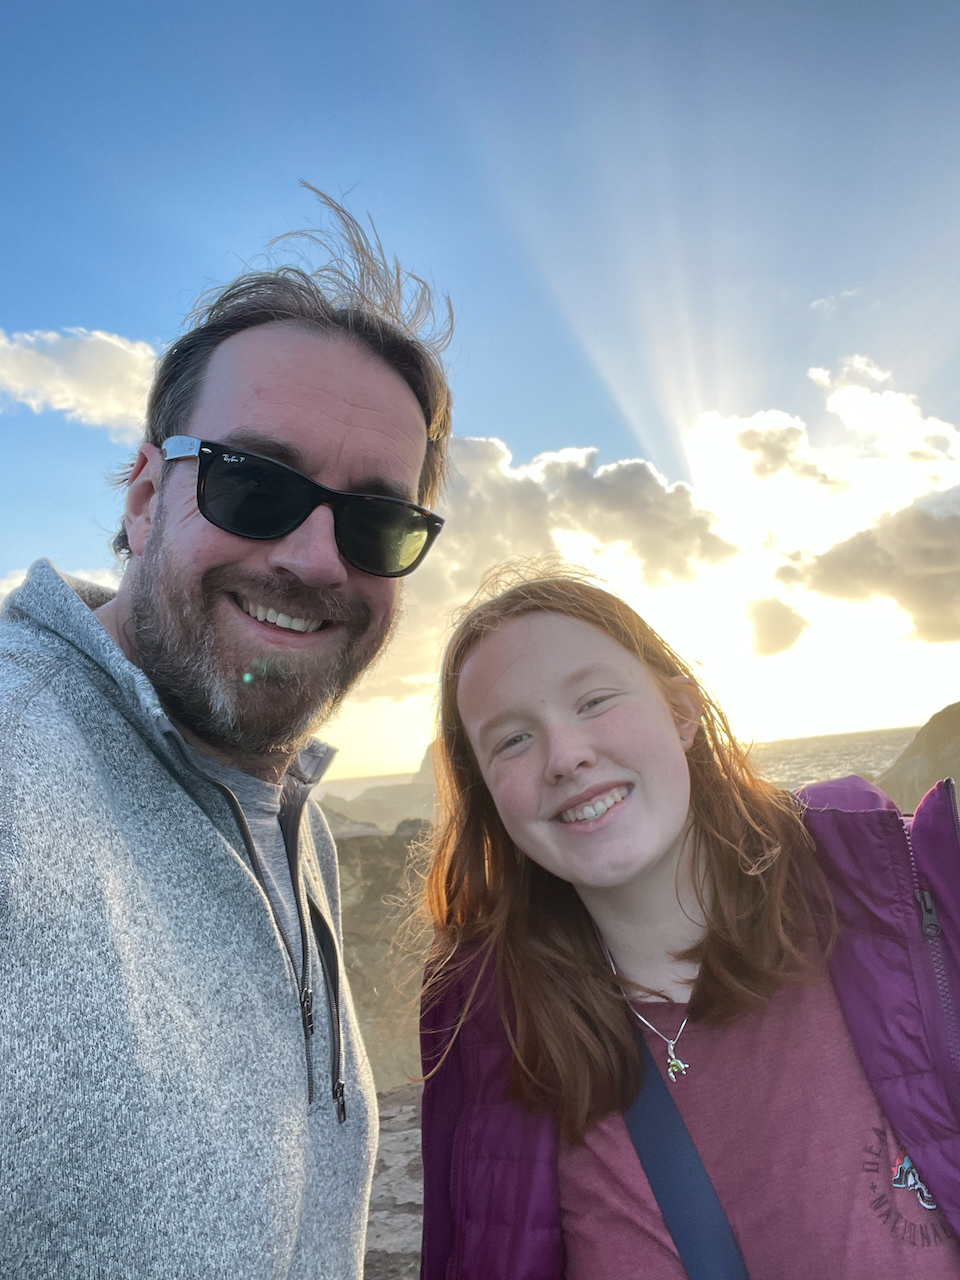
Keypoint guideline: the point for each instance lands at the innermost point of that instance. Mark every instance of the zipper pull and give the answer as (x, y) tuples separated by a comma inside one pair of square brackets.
[(306, 1008), (928, 914), (340, 1101)]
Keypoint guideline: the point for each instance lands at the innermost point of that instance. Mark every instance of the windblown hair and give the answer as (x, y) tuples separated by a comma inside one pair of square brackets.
[(358, 293), (563, 1007)]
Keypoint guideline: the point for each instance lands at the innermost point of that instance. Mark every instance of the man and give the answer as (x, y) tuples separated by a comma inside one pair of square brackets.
[(184, 1090)]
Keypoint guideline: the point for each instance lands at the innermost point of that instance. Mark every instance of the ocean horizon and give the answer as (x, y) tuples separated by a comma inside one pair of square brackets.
[(789, 762)]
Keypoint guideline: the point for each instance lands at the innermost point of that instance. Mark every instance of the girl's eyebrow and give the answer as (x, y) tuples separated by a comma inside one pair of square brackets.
[(585, 673), (495, 722)]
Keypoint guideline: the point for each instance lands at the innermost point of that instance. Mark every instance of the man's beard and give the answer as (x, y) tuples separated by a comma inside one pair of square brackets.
[(268, 704)]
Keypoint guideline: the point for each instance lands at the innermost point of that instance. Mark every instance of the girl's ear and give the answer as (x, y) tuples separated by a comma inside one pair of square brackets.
[(686, 707)]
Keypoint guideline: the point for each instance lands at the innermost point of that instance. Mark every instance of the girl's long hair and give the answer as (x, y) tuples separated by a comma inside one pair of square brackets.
[(563, 1008)]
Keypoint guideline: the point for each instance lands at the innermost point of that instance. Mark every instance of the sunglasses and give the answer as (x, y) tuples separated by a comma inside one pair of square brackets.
[(255, 497)]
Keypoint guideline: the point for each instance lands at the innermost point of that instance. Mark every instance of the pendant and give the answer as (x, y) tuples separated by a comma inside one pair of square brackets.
[(674, 1066)]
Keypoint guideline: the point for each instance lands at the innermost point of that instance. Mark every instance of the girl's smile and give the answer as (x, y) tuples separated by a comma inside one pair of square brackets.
[(580, 751)]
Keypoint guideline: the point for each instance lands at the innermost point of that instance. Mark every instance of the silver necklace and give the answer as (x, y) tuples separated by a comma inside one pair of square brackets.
[(674, 1066)]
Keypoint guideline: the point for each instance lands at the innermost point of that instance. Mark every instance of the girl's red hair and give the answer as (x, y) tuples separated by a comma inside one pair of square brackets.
[(564, 1010)]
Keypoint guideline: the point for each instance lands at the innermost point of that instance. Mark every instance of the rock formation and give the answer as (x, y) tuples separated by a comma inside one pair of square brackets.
[(382, 952), (933, 754), (396, 1202)]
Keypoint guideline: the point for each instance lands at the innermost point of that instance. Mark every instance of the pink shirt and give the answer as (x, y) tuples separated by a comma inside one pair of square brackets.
[(802, 1158)]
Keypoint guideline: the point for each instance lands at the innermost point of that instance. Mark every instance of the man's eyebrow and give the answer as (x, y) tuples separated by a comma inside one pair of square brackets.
[(268, 446), (279, 451)]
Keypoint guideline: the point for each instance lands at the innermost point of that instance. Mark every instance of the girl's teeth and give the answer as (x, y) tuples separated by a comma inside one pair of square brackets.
[(596, 809), (272, 615), (261, 613)]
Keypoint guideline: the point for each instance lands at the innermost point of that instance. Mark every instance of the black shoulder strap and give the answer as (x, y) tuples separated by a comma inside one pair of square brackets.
[(681, 1185)]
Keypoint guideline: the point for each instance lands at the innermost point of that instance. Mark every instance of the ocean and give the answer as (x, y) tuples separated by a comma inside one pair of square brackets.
[(793, 761), (789, 762)]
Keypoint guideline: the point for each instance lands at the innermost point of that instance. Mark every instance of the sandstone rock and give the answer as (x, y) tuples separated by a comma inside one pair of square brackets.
[(386, 806), (383, 959), (342, 828), (396, 1202), (933, 754)]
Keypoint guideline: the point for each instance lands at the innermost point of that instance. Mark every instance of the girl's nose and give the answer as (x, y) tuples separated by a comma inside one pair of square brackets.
[(569, 750)]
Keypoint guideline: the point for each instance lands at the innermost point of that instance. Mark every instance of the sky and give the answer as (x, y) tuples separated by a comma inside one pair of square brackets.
[(704, 261)]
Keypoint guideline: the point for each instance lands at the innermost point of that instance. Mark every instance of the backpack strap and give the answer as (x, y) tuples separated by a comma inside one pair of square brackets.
[(681, 1185)]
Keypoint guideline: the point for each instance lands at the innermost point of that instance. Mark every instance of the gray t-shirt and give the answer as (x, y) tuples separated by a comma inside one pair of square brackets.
[(260, 802)]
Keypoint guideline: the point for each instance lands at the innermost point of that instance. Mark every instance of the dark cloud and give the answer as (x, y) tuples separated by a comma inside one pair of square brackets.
[(776, 450), (494, 513), (775, 626), (912, 556)]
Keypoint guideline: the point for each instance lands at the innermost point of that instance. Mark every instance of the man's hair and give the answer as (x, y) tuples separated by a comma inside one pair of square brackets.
[(358, 294)]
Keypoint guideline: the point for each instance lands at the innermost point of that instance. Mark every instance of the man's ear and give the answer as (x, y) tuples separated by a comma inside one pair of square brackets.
[(143, 491), (686, 707)]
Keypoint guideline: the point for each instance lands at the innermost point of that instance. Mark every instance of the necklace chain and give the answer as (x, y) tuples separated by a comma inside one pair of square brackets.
[(674, 1066)]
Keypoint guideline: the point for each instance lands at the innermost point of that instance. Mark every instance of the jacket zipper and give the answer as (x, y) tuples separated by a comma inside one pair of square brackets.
[(930, 927), (457, 1159), (310, 914), (304, 990), (327, 948), (322, 932)]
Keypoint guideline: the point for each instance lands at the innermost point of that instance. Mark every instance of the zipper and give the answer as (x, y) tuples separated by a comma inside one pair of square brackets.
[(457, 1162), (290, 826), (311, 915), (304, 993), (327, 949), (932, 931)]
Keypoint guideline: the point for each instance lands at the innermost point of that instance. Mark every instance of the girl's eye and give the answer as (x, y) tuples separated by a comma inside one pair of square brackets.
[(511, 742), (592, 703)]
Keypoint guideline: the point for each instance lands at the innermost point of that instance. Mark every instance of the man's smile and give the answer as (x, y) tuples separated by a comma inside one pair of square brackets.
[(267, 613)]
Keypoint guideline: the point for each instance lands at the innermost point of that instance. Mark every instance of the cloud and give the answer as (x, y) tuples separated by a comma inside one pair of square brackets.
[(864, 367), (497, 510), (10, 581), (829, 303), (911, 556), (105, 577), (777, 449), (97, 378), (776, 627)]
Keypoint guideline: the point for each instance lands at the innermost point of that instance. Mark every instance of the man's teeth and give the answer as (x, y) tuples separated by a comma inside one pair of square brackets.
[(596, 808), (263, 614)]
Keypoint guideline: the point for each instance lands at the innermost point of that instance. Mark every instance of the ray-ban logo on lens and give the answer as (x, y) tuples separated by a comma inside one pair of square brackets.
[(233, 457)]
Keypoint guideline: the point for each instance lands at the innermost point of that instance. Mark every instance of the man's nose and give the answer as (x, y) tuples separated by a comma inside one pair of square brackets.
[(310, 552), (568, 750)]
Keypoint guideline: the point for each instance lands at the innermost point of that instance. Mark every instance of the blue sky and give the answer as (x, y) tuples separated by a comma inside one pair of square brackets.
[(643, 212)]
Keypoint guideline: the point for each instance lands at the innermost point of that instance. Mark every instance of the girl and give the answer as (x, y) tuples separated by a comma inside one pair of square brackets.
[(607, 866)]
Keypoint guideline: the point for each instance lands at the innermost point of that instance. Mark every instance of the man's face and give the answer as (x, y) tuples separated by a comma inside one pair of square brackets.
[(344, 418)]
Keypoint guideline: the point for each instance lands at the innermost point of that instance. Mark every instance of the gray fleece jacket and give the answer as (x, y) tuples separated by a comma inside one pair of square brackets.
[(165, 1110)]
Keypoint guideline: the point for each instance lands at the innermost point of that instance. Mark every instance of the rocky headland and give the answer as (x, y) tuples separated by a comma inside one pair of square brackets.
[(933, 754)]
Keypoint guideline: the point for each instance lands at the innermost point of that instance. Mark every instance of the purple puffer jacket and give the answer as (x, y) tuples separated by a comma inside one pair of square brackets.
[(491, 1196)]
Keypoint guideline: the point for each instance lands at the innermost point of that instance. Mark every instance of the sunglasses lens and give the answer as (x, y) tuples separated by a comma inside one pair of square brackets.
[(254, 497), (383, 538), (257, 498)]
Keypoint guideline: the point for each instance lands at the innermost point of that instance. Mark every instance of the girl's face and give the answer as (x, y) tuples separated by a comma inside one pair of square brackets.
[(582, 756)]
